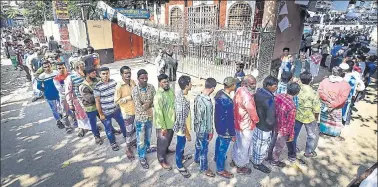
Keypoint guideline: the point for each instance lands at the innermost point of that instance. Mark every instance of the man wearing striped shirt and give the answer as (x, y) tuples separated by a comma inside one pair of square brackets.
[(107, 109)]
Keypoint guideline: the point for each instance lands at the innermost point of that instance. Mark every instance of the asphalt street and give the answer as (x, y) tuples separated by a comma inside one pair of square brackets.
[(34, 152)]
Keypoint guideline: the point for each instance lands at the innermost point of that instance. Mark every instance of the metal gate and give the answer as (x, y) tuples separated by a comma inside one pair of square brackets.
[(223, 49)]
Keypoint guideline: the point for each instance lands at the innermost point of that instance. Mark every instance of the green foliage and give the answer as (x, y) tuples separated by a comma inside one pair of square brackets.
[(12, 13)]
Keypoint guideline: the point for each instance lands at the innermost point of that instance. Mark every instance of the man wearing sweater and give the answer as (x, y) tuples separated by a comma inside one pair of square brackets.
[(46, 84), (224, 124)]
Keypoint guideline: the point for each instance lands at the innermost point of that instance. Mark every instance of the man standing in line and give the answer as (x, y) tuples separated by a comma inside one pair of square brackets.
[(107, 109), (123, 98), (72, 83), (266, 111), (143, 96), (307, 114), (284, 131), (65, 112), (224, 124), (182, 124), (164, 118), (53, 45), (203, 125), (88, 100), (245, 122), (46, 84)]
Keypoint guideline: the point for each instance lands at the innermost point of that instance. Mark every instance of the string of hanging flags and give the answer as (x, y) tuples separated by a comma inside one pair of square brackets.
[(138, 28)]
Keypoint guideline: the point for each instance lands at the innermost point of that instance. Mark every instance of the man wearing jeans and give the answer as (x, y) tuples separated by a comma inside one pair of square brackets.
[(46, 84), (164, 118), (203, 125), (307, 114), (224, 124), (182, 123), (89, 102), (107, 109), (143, 96)]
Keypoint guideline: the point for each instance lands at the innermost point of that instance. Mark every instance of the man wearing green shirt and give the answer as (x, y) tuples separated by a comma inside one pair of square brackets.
[(164, 118)]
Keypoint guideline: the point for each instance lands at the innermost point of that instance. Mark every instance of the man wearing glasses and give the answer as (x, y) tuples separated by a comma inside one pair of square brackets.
[(46, 85)]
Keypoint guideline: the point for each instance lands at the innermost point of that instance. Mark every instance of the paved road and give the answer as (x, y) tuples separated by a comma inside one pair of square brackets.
[(33, 149)]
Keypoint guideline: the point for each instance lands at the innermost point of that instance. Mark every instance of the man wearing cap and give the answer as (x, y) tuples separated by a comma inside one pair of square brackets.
[(245, 115), (224, 124)]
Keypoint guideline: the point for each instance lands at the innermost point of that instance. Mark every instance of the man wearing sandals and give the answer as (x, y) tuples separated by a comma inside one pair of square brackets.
[(307, 114), (72, 83), (107, 109), (224, 124), (203, 125), (182, 123), (266, 111), (88, 100), (123, 98), (143, 96), (284, 131), (245, 115), (164, 118)]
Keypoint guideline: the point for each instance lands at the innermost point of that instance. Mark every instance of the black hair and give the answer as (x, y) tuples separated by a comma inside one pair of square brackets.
[(84, 51), (91, 49), (103, 69), (372, 58), (241, 65), (51, 37), (293, 88), (88, 70), (162, 77), (184, 81), (349, 53), (305, 77), (286, 49), (350, 64), (60, 63), (286, 76), (46, 62), (362, 58), (123, 68), (337, 42), (141, 72), (318, 41), (270, 81), (210, 83)]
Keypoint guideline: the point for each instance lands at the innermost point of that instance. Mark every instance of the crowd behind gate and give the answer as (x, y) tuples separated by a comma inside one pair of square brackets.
[(259, 121)]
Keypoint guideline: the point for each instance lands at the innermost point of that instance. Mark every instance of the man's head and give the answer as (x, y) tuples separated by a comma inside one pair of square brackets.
[(90, 73), (104, 74), (84, 51), (361, 58), (163, 81), (286, 51), (79, 65), (210, 84), (270, 83), (337, 71), (185, 83), (349, 66), (47, 66), (125, 72), (51, 37), (293, 89), (142, 77), (249, 82), (61, 67), (286, 76), (305, 77), (239, 67), (230, 83), (90, 49)]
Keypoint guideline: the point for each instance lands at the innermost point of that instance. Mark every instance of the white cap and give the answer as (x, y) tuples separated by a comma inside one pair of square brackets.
[(344, 66)]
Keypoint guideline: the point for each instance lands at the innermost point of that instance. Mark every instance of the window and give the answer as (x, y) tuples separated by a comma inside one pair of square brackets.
[(176, 19), (239, 17)]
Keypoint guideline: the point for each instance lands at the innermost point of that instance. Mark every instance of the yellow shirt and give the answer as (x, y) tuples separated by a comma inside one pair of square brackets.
[(124, 90)]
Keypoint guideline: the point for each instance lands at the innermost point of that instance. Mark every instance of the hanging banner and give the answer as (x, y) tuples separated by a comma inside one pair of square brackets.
[(155, 34), (146, 32), (137, 28), (64, 38), (175, 38), (129, 24), (121, 19), (60, 10), (164, 37), (134, 13)]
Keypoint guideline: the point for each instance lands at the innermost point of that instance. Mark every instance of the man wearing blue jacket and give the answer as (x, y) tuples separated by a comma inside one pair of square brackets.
[(224, 124), (47, 86)]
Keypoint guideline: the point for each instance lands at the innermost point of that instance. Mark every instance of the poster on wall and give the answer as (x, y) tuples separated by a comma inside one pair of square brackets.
[(194, 38), (129, 24), (206, 38), (155, 34), (146, 32), (137, 28), (121, 19), (164, 37), (174, 38)]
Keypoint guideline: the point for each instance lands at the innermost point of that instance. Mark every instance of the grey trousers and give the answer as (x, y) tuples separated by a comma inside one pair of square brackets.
[(163, 143)]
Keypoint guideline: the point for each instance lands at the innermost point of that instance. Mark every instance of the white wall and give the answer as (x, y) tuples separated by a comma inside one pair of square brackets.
[(77, 33), (51, 29)]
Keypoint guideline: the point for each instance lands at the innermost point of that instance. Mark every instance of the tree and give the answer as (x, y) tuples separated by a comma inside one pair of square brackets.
[(12, 13), (36, 12)]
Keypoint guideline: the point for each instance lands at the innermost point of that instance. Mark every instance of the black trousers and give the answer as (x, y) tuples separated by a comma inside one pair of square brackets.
[(163, 143), (324, 58)]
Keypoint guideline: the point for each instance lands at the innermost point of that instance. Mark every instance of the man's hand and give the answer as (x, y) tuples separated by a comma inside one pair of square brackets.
[(163, 132), (233, 139), (290, 139), (210, 137), (188, 138), (72, 108), (146, 106), (102, 117)]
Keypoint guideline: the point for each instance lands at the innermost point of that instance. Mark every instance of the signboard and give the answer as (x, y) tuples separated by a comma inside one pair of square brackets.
[(134, 13), (64, 38), (60, 9)]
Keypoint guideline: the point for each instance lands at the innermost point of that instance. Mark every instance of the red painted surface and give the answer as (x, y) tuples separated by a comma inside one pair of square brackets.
[(125, 44)]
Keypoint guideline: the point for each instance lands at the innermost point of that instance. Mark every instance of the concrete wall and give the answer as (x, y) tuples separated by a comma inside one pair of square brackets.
[(291, 37)]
